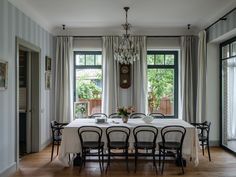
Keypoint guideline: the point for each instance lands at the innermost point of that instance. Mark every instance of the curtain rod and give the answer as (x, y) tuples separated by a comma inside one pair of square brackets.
[(222, 18), (117, 35)]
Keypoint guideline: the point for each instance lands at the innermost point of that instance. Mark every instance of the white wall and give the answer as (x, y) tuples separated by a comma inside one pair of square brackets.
[(14, 23), (212, 91)]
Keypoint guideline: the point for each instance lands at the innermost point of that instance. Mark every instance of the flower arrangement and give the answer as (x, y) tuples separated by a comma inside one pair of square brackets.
[(125, 111)]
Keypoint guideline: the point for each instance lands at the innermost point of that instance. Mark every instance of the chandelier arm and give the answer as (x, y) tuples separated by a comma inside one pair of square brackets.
[(126, 52)]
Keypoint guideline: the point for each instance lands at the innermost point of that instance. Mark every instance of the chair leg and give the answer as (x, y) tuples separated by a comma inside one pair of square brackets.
[(85, 151), (179, 155), (52, 150), (127, 159), (102, 159), (208, 148), (108, 160), (99, 159), (82, 161), (135, 159), (202, 148), (58, 148), (154, 160), (163, 161), (159, 157)]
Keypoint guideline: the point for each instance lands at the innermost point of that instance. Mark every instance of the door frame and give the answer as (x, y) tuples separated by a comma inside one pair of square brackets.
[(36, 126), (221, 89)]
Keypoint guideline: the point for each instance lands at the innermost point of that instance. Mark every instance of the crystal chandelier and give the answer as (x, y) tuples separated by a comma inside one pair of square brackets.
[(126, 53)]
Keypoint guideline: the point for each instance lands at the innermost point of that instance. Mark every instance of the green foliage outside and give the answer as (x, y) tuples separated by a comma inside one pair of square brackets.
[(160, 85), (87, 89), (80, 109), (160, 81)]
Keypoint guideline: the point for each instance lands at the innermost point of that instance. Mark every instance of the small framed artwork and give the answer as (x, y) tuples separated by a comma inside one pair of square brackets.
[(3, 74), (48, 63), (48, 80), (81, 109)]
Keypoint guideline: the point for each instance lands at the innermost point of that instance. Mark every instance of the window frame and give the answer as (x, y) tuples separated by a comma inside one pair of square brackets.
[(221, 60), (84, 66), (164, 66)]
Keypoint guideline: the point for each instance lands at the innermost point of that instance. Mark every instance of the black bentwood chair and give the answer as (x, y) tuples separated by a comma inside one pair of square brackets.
[(137, 115), (114, 116), (157, 115), (56, 128), (117, 139), (145, 139), (203, 135), (170, 144), (90, 139), (98, 115)]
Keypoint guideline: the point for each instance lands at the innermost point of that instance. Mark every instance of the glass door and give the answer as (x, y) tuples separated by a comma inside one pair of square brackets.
[(228, 94)]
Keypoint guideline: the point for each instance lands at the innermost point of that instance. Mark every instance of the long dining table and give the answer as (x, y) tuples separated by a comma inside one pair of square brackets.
[(71, 142)]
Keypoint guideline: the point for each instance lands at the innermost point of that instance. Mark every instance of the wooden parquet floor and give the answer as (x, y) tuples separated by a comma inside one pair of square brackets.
[(223, 164)]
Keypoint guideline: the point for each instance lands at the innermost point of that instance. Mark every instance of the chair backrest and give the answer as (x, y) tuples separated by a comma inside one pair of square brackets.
[(56, 129), (114, 115), (157, 115), (117, 134), (203, 128), (89, 134), (98, 115), (137, 115), (173, 133), (145, 133)]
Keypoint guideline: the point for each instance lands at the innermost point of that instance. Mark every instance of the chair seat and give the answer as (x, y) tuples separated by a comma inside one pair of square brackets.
[(118, 145), (202, 138), (57, 138), (170, 145), (92, 144), (144, 145)]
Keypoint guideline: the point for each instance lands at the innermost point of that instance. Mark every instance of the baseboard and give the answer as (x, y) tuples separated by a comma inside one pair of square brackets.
[(49, 141), (8, 171), (215, 143)]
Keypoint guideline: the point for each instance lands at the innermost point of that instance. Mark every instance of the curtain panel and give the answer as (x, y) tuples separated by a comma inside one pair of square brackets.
[(139, 96), (201, 78), (110, 72), (63, 79), (188, 78)]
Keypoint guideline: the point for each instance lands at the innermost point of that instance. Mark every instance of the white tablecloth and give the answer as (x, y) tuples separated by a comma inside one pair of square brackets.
[(71, 143)]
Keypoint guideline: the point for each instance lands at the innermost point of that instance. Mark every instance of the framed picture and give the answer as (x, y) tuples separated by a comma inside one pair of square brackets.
[(3, 74), (48, 63), (48, 80), (81, 109)]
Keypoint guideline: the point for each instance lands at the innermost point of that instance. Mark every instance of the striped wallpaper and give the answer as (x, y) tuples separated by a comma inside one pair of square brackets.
[(14, 23)]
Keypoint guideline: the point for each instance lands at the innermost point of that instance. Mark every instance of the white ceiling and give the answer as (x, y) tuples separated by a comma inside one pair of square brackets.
[(148, 14)]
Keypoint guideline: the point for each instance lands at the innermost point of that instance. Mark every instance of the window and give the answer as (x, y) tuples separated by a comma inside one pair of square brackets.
[(162, 76), (87, 83), (228, 93)]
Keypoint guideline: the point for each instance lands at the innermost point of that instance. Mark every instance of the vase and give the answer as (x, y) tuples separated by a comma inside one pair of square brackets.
[(125, 119)]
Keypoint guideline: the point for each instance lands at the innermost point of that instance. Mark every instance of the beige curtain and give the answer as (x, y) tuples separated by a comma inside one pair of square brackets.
[(201, 78), (188, 78), (63, 79), (139, 98), (110, 69)]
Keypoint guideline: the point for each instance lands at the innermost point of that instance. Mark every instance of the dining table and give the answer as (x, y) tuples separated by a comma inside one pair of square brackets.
[(70, 143)]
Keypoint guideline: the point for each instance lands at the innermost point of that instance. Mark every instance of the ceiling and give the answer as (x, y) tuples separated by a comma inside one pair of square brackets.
[(143, 14)]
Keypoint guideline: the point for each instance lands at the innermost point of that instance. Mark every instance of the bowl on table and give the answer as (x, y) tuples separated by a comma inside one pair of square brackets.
[(148, 119)]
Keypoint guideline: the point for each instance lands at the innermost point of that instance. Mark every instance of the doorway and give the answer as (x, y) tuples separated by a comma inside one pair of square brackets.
[(228, 94), (27, 98)]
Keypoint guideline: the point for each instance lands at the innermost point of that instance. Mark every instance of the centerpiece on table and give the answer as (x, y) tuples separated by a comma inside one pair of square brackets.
[(124, 112)]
